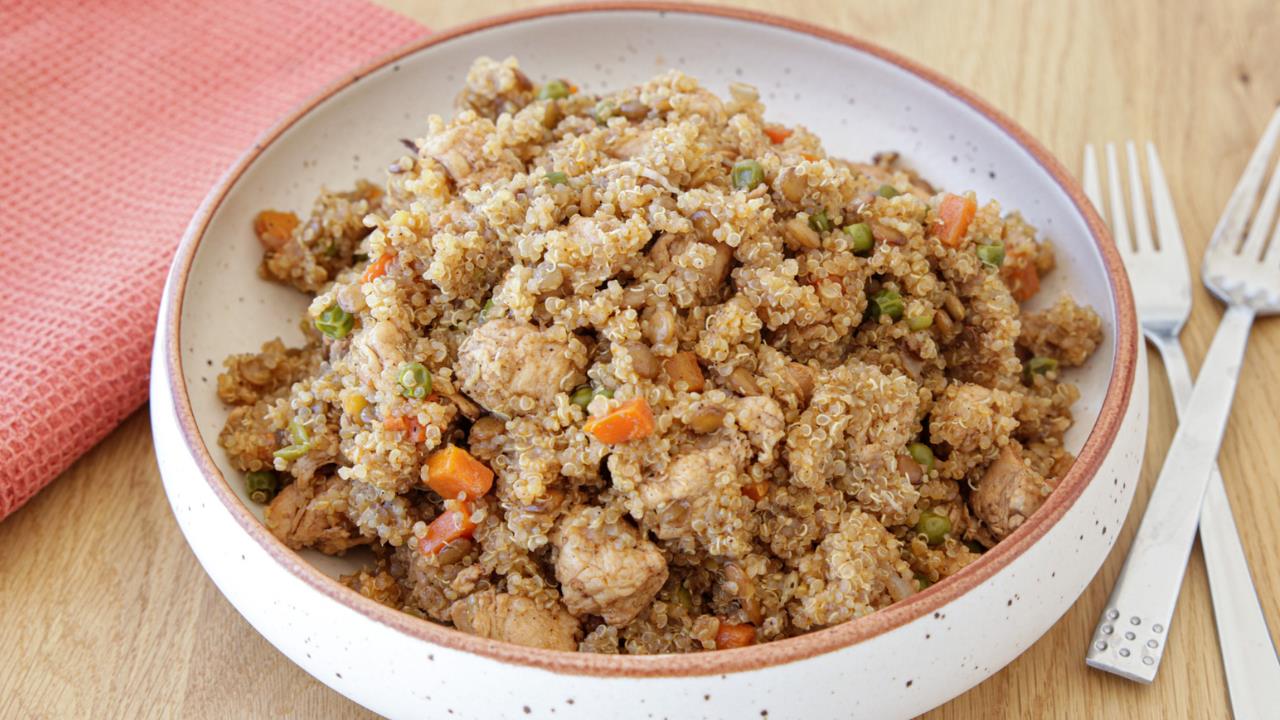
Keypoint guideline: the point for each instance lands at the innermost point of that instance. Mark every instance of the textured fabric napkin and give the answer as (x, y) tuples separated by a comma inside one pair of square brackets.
[(116, 118)]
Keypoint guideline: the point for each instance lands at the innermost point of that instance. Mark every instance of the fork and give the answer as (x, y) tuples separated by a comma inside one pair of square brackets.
[(1161, 284)]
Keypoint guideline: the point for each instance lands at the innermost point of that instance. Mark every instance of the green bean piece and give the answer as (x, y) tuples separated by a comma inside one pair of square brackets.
[(922, 454), (553, 90), (933, 526), (415, 380), (1041, 365), (888, 191), (335, 322), (991, 255), (820, 222), (582, 396), (557, 178), (860, 238), (747, 174), (261, 485), (920, 322), (887, 302)]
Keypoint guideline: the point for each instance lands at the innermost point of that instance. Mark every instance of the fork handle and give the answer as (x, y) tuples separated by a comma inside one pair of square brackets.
[(1131, 634), (1248, 655)]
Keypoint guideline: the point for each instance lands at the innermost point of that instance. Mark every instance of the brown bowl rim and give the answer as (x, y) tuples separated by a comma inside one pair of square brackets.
[(755, 657)]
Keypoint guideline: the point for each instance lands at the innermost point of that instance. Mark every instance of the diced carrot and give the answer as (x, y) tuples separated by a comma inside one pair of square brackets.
[(573, 89), (377, 268), (629, 421), (757, 490), (955, 213), (733, 635), (451, 471), (809, 156), (1022, 279), (777, 133), (274, 228), (452, 524), (409, 424)]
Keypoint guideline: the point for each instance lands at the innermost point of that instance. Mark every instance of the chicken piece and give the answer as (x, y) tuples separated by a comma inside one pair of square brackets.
[(606, 568), (513, 368), (1067, 332), (762, 420), (1008, 493), (516, 619), (313, 517), (693, 472)]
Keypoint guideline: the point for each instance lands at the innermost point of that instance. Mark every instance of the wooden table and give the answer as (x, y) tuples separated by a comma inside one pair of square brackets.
[(105, 612)]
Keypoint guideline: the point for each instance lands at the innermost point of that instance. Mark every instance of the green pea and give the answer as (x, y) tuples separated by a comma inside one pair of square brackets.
[(582, 396), (820, 222), (922, 454), (886, 302), (860, 238), (553, 90), (888, 191), (261, 485), (604, 392), (991, 255), (747, 174), (933, 526), (1041, 365), (335, 322), (923, 581), (415, 380), (292, 452), (557, 178), (604, 110), (920, 322)]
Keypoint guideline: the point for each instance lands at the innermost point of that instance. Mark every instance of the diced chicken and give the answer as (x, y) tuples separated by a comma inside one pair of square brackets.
[(606, 569), (1008, 493), (762, 419), (313, 517), (516, 619), (693, 472), (513, 368)]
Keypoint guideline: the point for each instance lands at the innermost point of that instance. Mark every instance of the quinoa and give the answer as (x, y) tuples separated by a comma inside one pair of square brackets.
[(688, 398)]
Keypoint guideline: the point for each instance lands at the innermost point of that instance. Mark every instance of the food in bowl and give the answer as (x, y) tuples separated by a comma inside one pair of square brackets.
[(644, 373)]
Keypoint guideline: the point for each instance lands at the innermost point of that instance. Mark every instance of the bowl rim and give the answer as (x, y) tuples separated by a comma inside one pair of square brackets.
[(777, 652)]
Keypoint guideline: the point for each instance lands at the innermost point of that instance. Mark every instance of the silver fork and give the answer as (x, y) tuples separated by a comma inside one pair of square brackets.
[(1161, 284)]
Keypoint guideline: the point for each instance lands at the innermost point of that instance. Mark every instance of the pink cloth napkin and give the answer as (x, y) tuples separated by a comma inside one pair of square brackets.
[(116, 117)]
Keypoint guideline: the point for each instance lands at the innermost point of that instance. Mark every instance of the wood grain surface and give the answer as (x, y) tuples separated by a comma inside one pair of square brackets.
[(104, 611)]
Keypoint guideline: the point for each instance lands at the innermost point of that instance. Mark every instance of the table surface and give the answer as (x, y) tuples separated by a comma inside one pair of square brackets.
[(104, 611)]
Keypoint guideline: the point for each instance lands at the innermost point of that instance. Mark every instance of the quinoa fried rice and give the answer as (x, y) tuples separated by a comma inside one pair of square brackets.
[(643, 373)]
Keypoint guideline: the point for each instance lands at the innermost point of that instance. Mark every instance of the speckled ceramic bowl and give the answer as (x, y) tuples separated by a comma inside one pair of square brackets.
[(859, 99)]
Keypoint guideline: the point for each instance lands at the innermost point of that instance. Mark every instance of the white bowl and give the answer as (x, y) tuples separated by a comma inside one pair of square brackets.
[(859, 99)]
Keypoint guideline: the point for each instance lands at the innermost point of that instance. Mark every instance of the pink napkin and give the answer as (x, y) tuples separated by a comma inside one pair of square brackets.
[(116, 118)]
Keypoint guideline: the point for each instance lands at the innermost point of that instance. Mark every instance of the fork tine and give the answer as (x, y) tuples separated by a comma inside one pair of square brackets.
[(1092, 182), (1167, 229), (1138, 202), (1231, 226), (1119, 220), (1262, 219)]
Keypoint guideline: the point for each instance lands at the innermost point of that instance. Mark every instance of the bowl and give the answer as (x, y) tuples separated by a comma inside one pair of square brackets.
[(860, 99)]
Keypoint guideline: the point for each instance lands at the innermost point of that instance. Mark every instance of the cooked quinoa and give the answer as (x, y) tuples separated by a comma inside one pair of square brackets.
[(645, 373)]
